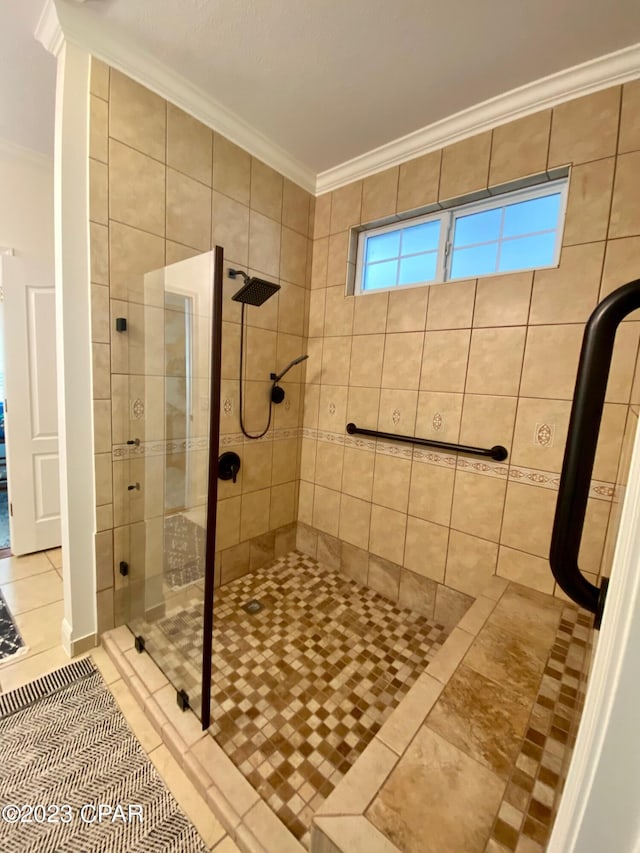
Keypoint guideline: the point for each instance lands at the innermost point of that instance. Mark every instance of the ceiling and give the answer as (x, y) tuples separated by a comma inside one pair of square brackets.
[(27, 79), (325, 80)]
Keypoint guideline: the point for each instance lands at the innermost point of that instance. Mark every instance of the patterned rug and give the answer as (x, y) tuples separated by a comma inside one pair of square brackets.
[(74, 778), (184, 550), (10, 639)]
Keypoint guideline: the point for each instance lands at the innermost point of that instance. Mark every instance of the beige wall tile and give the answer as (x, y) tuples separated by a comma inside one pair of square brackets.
[(357, 470), (551, 361), (254, 516), (332, 410), (391, 482), (329, 464), (102, 426), (431, 493), (625, 213), (295, 207), (99, 83), (451, 305), (417, 593), (541, 433), (326, 510), (306, 494), (189, 145), (397, 412), (131, 254), (176, 252), (609, 442), (425, 550), (98, 192), (99, 130), (137, 116), (478, 502), (402, 360), (384, 577), (336, 354), (408, 310), (503, 300), (495, 361), (444, 360), (570, 293), (337, 258), (338, 316), (465, 166), (282, 506), (230, 228), (293, 258), (100, 326), (266, 190), (231, 170), (264, 244), (346, 205), (594, 535), (623, 363), (355, 563), (585, 129), (379, 194), (525, 569), (387, 535), (319, 262), (528, 518), (228, 523), (355, 520), (235, 562), (630, 118), (99, 253), (136, 189), (260, 353), (520, 148), (418, 181), (438, 416), (104, 487), (188, 211), (470, 562), (322, 217), (101, 371), (291, 309), (257, 461), (589, 201), (620, 264), (308, 459), (104, 606), (370, 313), (487, 420)]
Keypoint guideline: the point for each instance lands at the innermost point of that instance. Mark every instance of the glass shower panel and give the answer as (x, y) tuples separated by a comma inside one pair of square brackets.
[(166, 609)]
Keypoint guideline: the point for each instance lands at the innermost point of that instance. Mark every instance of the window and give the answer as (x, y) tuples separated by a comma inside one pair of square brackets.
[(519, 230)]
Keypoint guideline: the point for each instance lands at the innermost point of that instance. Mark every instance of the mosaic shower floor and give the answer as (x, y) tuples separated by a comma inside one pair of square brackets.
[(301, 687)]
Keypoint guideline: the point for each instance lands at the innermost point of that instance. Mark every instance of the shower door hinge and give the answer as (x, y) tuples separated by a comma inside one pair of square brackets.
[(139, 644), (182, 699), (11, 510)]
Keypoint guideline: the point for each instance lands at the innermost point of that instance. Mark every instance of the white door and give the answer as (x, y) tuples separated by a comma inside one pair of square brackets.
[(31, 408)]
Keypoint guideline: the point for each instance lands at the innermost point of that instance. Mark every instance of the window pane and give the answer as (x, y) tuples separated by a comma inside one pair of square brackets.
[(539, 214), (417, 268), (380, 275), (527, 252), (421, 238), (477, 228), (468, 263), (383, 246)]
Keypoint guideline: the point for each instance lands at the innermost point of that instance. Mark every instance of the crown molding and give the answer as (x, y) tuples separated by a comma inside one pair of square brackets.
[(28, 156), (48, 30), (600, 73), (150, 72)]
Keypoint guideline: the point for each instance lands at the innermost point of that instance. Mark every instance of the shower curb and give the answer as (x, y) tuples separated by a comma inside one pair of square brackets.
[(240, 810)]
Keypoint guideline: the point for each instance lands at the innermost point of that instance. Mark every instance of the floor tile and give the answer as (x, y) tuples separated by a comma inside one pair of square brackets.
[(18, 568), (41, 629), (24, 595)]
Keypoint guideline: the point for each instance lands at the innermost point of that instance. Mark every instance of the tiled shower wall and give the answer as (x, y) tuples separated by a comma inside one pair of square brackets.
[(164, 188), (481, 362)]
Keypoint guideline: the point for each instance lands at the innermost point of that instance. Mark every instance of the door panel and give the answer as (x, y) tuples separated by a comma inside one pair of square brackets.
[(31, 418)]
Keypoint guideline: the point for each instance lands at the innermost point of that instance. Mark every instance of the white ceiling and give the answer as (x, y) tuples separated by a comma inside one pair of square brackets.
[(325, 80), (27, 78)]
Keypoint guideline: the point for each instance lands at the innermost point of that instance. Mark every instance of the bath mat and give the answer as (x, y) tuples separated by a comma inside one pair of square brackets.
[(10, 640), (74, 778)]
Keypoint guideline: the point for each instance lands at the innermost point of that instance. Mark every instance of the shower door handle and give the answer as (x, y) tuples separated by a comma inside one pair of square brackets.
[(582, 442)]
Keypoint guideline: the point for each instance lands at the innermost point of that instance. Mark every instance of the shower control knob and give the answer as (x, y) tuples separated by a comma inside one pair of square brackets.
[(228, 466)]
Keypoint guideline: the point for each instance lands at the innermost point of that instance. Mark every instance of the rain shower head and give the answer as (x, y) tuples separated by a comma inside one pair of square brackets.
[(254, 291)]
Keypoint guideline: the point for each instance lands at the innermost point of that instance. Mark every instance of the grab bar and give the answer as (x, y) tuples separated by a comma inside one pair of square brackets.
[(582, 442), (498, 452)]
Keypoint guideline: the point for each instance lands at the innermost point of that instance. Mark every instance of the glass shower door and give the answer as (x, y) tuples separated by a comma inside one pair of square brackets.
[(167, 609)]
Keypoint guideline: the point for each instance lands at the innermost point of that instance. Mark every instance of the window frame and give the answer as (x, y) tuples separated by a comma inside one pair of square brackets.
[(448, 217)]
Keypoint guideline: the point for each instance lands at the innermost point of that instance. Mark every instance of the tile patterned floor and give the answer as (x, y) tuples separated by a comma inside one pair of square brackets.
[(301, 687), (532, 795)]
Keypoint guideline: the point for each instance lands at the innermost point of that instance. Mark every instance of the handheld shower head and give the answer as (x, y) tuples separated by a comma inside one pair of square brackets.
[(277, 377)]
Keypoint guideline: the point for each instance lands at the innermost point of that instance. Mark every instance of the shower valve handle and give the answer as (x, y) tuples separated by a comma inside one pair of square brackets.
[(228, 466)]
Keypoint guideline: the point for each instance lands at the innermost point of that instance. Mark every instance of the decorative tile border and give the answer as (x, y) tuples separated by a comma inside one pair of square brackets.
[(167, 448), (600, 490)]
